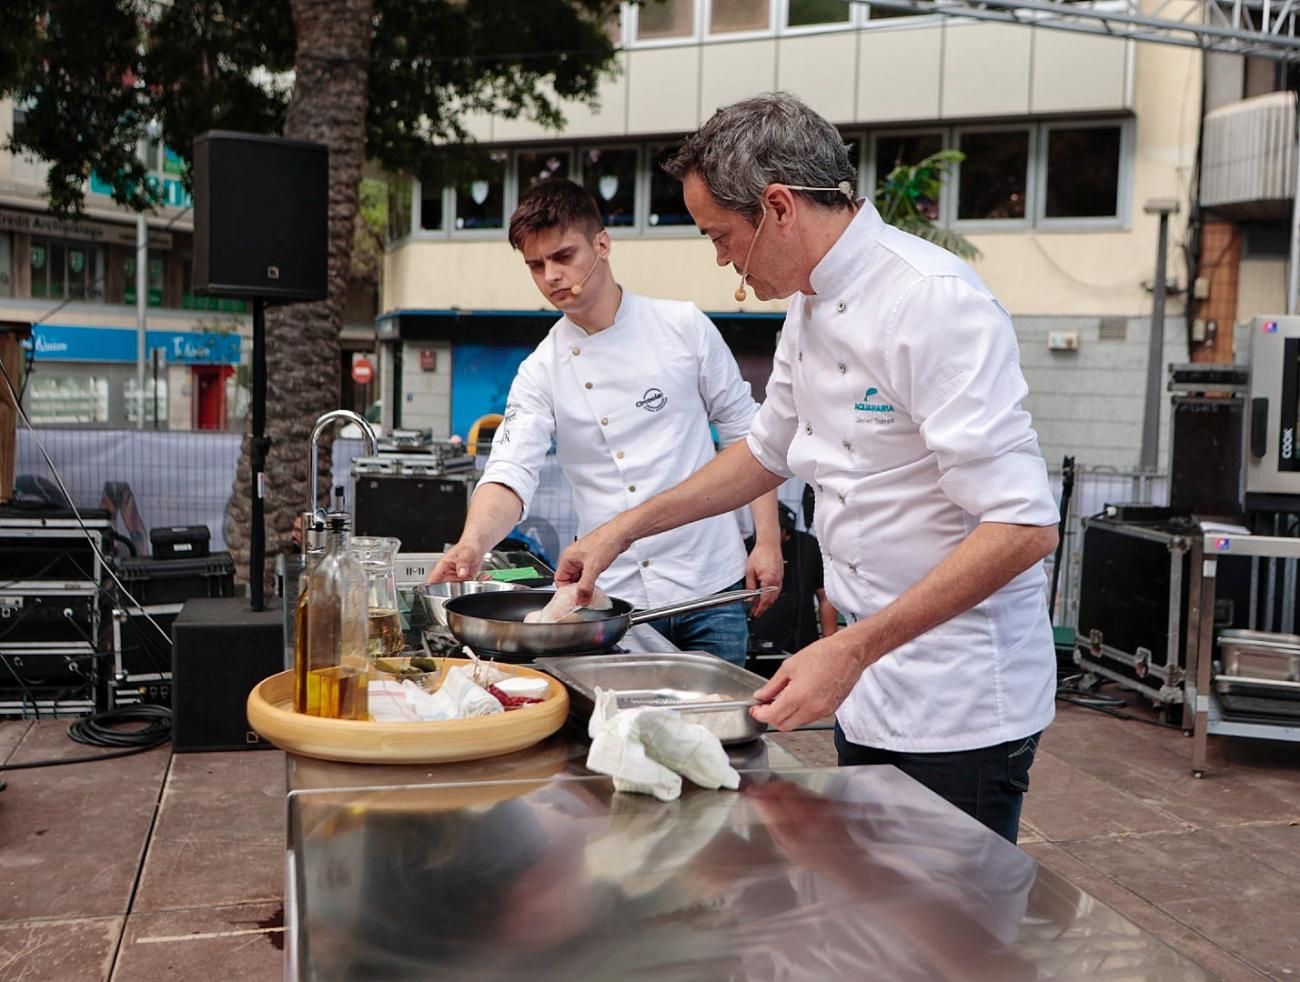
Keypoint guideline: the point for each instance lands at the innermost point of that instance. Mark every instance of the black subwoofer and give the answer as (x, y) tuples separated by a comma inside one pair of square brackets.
[(221, 648), (261, 216)]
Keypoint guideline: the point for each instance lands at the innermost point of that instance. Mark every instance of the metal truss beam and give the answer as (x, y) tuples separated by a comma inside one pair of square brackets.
[(1259, 28)]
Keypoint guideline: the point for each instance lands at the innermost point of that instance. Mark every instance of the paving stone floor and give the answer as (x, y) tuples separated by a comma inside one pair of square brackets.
[(162, 866)]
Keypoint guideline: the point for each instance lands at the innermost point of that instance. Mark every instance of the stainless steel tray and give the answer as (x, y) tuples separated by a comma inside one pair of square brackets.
[(1260, 655), (704, 689)]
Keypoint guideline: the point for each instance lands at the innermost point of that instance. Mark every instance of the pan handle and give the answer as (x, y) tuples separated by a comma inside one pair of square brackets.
[(703, 603)]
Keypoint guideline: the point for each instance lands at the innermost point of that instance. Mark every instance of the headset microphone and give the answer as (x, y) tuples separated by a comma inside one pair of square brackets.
[(576, 289)]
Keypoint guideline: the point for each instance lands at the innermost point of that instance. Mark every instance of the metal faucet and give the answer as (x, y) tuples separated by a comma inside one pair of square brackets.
[(367, 434)]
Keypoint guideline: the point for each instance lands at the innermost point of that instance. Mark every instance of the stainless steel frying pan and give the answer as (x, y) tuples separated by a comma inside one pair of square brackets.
[(494, 622)]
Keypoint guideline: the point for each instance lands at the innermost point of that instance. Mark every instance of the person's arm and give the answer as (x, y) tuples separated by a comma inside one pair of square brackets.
[(812, 683), (765, 566), (827, 615), (493, 511), (510, 478), (745, 470), (731, 479)]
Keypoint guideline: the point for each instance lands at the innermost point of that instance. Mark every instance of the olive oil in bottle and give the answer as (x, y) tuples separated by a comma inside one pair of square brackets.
[(338, 672)]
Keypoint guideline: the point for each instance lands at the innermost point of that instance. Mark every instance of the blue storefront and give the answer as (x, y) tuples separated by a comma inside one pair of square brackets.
[(87, 375)]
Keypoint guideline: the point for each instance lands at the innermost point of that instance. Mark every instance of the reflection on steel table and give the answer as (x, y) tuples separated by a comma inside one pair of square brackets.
[(850, 873)]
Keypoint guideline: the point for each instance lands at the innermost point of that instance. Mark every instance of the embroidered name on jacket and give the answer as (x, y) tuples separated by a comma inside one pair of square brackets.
[(873, 409), (652, 401)]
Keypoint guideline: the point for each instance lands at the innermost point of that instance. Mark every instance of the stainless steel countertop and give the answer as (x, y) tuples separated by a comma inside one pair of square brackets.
[(530, 867)]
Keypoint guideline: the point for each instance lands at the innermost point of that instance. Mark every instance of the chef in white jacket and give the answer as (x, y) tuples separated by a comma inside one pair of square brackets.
[(896, 393), (626, 386)]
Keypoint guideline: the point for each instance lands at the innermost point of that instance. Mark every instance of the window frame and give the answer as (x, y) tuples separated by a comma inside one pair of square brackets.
[(857, 17), (871, 175), (560, 150), (633, 15), (981, 225), (507, 194), (1124, 177), (638, 214), (689, 230), (752, 34)]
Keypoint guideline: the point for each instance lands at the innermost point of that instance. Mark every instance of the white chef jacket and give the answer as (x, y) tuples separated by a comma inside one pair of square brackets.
[(629, 410), (896, 393)]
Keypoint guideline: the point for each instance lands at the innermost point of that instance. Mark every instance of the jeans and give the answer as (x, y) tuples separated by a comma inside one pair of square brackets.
[(721, 631), (988, 784)]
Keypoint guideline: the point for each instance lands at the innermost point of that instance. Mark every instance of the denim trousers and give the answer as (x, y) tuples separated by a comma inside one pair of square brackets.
[(989, 784), (721, 631)]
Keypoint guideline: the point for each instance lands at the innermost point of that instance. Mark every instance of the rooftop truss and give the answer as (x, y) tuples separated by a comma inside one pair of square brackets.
[(1259, 28)]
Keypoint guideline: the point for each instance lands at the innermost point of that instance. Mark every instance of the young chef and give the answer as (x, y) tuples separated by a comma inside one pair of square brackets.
[(627, 388), (896, 393)]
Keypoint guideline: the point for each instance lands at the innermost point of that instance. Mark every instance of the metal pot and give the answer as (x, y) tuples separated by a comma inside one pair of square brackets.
[(493, 623), (434, 595)]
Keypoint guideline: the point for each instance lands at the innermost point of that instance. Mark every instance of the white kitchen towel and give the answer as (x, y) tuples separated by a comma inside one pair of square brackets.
[(459, 698), (649, 750)]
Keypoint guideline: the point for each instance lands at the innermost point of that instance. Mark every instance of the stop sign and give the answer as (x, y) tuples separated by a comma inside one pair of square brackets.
[(362, 371)]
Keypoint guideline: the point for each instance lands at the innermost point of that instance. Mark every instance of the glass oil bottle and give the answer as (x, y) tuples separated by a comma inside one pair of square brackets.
[(338, 673)]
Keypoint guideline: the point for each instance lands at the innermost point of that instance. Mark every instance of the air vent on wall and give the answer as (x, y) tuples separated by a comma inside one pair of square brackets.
[(1112, 329)]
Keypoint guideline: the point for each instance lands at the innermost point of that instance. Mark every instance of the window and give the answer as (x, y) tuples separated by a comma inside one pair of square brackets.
[(664, 20), (430, 205), (400, 194), (906, 149), (809, 13), (993, 179), (480, 199), (155, 400), (533, 166), (62, 269), (609, 173), (66, 398), (730, 16), (154, 273), (20, 118), (1083, 165), (667, 206), (881, 13)]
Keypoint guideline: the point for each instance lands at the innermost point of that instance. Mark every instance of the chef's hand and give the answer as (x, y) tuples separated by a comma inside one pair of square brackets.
[(460, 562), (811, 683), (590, 556), (765, 567)]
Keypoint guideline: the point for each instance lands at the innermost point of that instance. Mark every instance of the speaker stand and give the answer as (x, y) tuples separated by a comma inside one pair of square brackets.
[(258, 450)]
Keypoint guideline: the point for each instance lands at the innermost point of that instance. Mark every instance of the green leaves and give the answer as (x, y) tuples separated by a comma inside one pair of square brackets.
[(93, 74), (908, 198)]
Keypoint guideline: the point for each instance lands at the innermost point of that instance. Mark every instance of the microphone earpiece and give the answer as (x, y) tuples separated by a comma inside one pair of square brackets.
[(740, 294), (576, 289)]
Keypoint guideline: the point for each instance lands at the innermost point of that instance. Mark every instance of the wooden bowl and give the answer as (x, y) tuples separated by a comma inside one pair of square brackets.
[(270, 713)]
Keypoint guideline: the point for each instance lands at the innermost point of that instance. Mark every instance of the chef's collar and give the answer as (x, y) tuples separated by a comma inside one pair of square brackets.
[(621, 316), (841, 264)]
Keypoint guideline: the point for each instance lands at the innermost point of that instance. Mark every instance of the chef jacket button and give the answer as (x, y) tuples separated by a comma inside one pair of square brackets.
[(820, 489), (619, 455), (807, 428), (801, 356), (853, 567), (841, 366), (631, 487), (841, 306), (846, 445), (645, 563), (604, 421), (841, 497), (588, 385), (577, 351)]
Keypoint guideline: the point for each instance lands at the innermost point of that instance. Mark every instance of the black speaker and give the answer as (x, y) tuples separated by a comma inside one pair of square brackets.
[(221, 649), (426, 513), (261, 216)]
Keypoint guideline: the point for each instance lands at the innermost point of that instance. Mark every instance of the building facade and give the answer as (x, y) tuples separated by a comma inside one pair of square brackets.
[(1066, 137)]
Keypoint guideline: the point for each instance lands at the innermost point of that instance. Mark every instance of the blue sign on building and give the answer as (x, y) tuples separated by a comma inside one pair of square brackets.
[(108, 344)]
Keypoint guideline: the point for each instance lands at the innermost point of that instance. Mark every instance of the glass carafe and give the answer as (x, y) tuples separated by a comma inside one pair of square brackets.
[(338, 671), (377, 555)]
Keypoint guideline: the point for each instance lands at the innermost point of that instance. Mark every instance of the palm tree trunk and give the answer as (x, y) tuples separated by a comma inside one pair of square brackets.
[(331, 68)]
